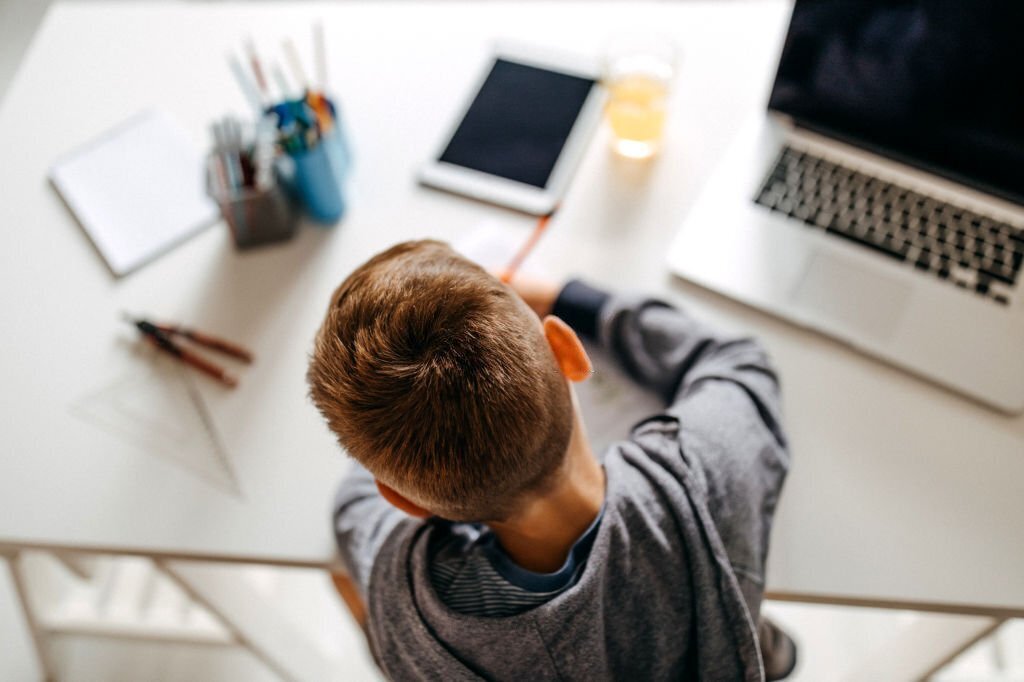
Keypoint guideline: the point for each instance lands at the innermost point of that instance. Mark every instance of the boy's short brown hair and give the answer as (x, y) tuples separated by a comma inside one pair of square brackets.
[(438, 379)]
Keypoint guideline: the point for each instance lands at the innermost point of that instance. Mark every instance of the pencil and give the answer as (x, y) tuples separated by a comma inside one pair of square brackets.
[(526, 248), (257, 68), (295, 63), (247, 86), (320, 54), (282, 82)]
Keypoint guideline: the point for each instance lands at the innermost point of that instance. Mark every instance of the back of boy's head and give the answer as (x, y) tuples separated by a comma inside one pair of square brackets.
[(438, 379)]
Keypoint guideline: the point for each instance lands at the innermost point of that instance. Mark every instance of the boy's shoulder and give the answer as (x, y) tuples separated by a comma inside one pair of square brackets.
[(650, 550)]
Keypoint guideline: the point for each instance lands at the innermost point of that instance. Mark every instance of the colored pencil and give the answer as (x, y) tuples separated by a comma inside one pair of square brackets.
[(526, 248), (320, 55)]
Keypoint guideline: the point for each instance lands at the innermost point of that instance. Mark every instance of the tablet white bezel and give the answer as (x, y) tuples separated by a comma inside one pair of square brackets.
[(505, 192)]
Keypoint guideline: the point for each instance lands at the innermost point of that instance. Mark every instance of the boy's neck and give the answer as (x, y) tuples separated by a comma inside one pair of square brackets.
[(539, 538)]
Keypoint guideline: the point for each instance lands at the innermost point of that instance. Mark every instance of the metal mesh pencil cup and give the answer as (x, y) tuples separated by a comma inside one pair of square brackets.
[(254, 216)]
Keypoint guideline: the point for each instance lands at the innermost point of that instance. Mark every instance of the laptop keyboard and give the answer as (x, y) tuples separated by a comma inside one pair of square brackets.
[(964, 248)]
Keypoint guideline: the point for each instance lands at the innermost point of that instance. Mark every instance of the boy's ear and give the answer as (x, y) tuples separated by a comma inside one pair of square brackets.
[(398, 500), (569, 351)]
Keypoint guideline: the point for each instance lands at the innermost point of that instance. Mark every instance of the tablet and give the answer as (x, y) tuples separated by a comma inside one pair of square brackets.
[(523, 133)]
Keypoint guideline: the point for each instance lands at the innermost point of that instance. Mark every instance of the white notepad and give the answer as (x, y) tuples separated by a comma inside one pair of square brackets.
[(138, 190)]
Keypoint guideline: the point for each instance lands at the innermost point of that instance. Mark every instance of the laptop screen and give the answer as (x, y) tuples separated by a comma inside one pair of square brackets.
[(934, 83)]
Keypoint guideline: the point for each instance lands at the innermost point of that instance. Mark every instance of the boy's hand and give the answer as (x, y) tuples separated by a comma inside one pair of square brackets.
[(539, 294)]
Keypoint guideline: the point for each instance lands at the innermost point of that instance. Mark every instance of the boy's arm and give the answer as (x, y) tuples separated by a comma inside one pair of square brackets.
[(671, 353), (724, 393)]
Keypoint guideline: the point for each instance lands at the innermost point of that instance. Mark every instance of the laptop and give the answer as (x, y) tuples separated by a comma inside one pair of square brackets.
[(880, 199)]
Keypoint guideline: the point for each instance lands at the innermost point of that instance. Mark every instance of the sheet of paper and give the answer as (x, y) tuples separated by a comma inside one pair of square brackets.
[(137, 190), (492, 246), (611, 403)]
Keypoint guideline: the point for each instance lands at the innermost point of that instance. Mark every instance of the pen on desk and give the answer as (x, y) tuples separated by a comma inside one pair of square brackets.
[(526, 248)]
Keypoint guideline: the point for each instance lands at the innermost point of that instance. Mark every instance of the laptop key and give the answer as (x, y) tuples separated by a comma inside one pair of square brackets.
[(898, 254), (999, 274)]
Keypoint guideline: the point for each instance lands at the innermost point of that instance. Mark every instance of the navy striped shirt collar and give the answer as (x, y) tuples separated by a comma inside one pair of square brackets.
[(543, 582)]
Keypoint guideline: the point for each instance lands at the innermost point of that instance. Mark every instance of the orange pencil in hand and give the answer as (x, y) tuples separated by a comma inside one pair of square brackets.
[(526, 248)]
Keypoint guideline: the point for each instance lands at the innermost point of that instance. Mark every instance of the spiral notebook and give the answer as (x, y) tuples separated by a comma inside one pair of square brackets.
[(137, 190)]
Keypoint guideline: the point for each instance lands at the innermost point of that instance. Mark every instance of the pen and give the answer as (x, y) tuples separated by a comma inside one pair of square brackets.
[(527, 247)]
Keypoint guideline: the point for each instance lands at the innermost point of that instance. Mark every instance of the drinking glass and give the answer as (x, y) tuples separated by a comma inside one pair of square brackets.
[(638, 74)]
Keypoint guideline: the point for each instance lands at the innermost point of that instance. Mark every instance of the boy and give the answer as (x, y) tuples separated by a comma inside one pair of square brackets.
[(519, 554)]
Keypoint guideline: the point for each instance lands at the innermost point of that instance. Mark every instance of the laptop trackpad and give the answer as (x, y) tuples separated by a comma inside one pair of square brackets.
[(835, 289)]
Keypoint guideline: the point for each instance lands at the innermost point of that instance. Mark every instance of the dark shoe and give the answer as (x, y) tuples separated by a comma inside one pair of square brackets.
[(778, 651)]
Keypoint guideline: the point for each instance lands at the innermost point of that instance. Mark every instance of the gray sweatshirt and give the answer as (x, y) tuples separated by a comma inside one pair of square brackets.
[(671, 587)]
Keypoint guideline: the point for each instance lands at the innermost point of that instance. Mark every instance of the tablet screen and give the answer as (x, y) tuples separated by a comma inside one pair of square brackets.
[(518, 123)]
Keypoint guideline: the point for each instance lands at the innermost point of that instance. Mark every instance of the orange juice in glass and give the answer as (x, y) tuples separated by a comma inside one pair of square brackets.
[(638, 73)]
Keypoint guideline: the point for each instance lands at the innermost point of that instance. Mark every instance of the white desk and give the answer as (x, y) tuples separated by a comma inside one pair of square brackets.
[(901, 494)]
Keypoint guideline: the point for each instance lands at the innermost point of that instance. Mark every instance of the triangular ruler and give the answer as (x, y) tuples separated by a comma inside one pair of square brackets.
[(161, 412)]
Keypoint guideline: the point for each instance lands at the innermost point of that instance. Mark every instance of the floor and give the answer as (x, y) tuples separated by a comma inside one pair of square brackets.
[(835, 643), (843, 644)]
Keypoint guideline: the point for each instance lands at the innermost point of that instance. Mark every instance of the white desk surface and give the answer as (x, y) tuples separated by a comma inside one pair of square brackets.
[(901, 493)]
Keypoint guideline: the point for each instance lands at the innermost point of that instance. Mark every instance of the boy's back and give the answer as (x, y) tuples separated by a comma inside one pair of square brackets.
[(669, 582)]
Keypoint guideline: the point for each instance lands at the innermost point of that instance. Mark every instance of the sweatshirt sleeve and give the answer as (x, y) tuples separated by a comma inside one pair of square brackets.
[(363, 520), (671, 353), (722, 392)]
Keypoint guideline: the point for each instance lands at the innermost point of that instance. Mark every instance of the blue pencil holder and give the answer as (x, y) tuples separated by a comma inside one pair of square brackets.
[(320, 176)]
